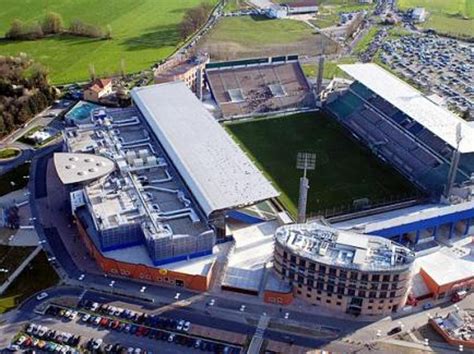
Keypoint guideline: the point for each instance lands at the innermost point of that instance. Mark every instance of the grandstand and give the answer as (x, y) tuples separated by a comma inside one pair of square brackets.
[(403, 127), (255, 86)]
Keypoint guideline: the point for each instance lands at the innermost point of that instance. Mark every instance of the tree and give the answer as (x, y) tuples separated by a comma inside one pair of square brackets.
[(16, 29), (52, 23)]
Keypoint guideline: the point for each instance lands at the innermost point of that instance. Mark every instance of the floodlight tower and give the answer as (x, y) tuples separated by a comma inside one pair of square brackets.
[(319, 82), (454, 164), (304, 161)]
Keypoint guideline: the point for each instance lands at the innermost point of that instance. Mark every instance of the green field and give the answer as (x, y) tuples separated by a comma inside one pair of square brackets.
[(8, 153), (365, 42), (258, 36), (38, 275), (16, 176), (455, 17), (144, 31), (331, 69), (344, 170)]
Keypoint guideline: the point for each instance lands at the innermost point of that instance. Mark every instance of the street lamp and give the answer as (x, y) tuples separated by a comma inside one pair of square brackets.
[(176, 297), (461, 347), (143, 288), (287, 314), (81, 277), (242, 308), (212, 302)]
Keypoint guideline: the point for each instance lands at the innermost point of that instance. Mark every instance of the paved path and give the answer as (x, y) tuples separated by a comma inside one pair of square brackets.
[(18, 271), (257, 339)]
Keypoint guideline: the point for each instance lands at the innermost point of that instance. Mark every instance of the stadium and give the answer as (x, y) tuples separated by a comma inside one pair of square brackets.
[(150, 193), (245, 88), (426, 143)]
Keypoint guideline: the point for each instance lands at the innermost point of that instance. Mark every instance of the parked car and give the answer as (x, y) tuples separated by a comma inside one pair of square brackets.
[(42, 296)]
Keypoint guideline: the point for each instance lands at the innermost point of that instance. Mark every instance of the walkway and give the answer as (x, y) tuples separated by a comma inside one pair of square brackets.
[(257, 339), (20, 268)]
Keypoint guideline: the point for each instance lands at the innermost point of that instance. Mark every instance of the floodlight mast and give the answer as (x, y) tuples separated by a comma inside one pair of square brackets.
[(454, 163), (305, 161)]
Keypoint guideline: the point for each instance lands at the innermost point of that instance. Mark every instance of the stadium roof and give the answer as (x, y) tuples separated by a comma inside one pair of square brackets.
[(412, 102), (213, 166)]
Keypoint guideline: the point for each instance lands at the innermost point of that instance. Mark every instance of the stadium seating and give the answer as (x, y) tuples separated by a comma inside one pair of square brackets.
[(412, 149)]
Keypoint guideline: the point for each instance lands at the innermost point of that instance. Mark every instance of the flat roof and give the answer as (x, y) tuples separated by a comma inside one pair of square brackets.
[(327, 245), (253, 249), (79, 167), (213, 166), (444, 268), (413, 103)]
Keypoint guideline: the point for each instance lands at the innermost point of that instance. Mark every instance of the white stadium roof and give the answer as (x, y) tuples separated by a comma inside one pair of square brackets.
[(412, 102), (213, 166)]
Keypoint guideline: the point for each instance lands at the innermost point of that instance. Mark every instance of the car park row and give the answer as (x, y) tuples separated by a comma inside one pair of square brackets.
[(133, 323)]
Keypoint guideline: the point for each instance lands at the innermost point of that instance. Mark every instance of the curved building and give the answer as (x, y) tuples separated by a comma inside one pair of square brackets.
[(344, 271)]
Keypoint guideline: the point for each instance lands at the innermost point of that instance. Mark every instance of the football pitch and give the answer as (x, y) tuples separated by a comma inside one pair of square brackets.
[(345, 171)]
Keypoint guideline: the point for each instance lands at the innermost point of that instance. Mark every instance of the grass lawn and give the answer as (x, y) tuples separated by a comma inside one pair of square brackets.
[(38, 275), (25, 138), (144, 31), (8, 153), (15, 176), (235, 5), (258, 36), (364, 43), (330, 68), (11, 257), (454, 17), (344, 171)]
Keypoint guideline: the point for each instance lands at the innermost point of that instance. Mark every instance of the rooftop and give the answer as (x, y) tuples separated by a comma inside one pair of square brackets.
[(77, 167), (412, 102), (341, 248), (143, 188), (445, 267), (213, 166)]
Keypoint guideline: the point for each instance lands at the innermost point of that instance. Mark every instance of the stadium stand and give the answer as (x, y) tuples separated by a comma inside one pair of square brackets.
[(254, 86), (396, 137)]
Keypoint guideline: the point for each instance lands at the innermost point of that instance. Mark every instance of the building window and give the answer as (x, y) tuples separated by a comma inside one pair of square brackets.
[(338, 303), (353, 275), (319, 292), (328, 301), (392, 294), (351, 292), (300, 285), (343, 274), (372, 294), (340, 290), (370, 307), (285, 255), (293, 259), (396, 277), (310, 282), (308, 295), (299, 292), (386, 278), (339, 297), (383, 294), (322, 269), (309, 289), (300, 278), (365, 277), (381, 301), (380, 307), (371, 301), (318, 298), (384, 286), (394, 286), (312, 266), (332, 271), (320, 285), (361, 293), (330, 288), (375, 277)]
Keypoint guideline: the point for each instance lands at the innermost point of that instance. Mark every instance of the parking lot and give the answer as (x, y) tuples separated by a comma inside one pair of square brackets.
[(109, 329), (442, 65)]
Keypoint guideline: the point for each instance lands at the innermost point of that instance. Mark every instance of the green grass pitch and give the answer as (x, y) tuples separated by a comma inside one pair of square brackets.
[(144, 31), (344, 170)]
